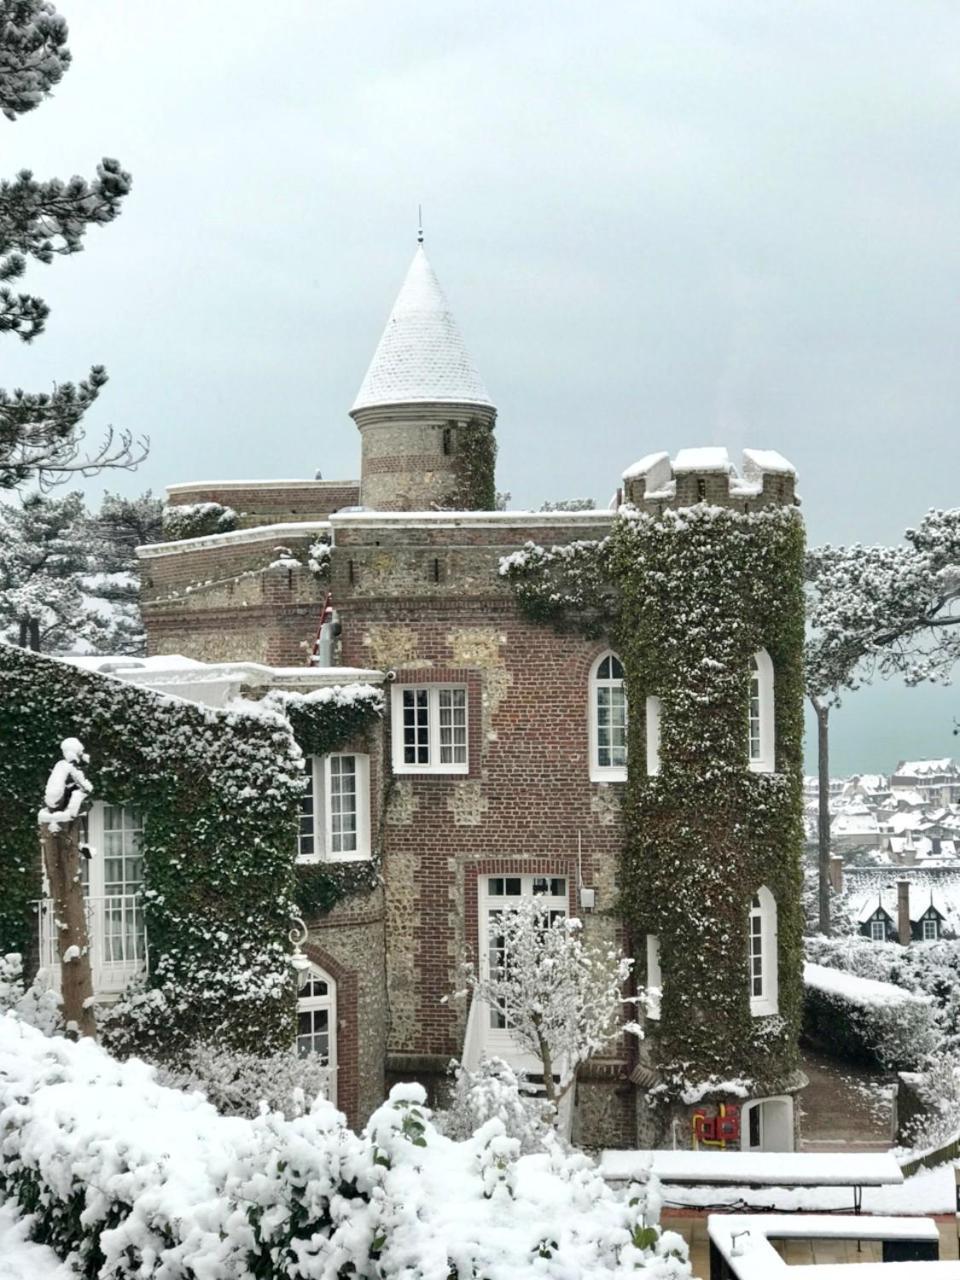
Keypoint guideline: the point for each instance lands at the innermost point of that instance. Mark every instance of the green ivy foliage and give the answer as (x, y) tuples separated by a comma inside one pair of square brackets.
[(219, 792), (686, 599), (326, 721), (475, 456)]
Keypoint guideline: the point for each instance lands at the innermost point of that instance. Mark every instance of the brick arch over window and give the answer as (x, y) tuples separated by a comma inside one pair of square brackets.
[(346, 1030)]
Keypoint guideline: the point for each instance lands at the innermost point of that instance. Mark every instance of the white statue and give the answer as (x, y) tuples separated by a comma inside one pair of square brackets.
[(67, 786)]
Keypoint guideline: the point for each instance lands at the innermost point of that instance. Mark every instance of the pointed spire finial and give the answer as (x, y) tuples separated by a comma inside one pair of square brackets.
[(419, 224)]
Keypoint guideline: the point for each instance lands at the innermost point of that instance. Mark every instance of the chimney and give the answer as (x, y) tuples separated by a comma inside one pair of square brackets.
[(903, 911), (836, 873)]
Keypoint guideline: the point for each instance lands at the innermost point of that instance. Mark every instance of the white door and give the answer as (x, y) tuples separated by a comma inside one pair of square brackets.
[(498, 894)]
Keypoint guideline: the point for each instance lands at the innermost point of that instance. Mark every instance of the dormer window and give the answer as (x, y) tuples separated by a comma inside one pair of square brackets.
[(761, 724), (608, 720), (931, 928)]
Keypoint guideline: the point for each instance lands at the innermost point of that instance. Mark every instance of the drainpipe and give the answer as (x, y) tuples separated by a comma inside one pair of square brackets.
[(328, 634)]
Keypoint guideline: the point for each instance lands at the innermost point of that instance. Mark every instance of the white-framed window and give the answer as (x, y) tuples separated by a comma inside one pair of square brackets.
[(762, 955), (931, 929), (654, 976), (761, 746), (112, 879), (335, 809), (429, 728), (607, 720), (878, 931), (317, 1022), (653, 735)]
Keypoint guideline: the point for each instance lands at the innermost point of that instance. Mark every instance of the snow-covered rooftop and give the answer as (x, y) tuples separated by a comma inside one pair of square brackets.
[(925, 768), (422, 356)]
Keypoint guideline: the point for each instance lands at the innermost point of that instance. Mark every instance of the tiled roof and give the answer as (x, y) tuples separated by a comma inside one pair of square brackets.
[(421, 356)]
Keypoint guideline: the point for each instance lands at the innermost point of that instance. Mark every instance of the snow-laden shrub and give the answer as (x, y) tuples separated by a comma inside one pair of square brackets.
[(937, 1088), (128, 1178), (867, 1019), (236, 1082), (197, 520), (493, 1092), (931, 969), (37, 1005)]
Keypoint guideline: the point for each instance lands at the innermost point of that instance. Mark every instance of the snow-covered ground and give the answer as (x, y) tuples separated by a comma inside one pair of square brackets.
[(21, 1260)]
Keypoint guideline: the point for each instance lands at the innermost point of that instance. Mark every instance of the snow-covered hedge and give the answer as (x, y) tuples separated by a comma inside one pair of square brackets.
[(867, 1019), (128, 1178), (932, 970), (197, 520)]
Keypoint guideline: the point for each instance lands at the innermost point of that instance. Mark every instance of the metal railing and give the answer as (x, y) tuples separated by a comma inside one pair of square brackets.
[(117, 936)]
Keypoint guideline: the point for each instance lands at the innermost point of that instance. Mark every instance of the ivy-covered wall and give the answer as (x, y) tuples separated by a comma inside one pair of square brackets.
[(686, 598), (474, 461), (340, 719), (219, 792)]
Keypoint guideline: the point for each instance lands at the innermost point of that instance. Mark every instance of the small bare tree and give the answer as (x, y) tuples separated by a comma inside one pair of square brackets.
[(562, 999), (67, 788)]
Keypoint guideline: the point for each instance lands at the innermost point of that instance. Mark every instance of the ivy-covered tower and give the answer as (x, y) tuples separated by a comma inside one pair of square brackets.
[(426, 420), (708, 567)]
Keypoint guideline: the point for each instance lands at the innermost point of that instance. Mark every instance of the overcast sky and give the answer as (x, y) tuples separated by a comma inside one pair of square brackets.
[(659, 224)]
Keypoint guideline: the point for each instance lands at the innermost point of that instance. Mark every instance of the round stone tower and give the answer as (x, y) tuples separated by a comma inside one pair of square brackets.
[(711, 639), (426, 420)]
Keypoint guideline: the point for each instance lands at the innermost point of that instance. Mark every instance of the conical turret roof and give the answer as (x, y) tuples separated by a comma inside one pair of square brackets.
[(421, 356)]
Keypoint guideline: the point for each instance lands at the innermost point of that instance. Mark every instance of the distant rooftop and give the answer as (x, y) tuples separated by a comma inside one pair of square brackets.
[(422, 356)]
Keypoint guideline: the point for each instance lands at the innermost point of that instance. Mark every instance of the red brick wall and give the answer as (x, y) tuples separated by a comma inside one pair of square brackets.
[(534, 777), (258, 504)]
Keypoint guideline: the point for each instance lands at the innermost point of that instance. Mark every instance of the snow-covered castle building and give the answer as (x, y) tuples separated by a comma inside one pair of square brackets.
[(500, 770)]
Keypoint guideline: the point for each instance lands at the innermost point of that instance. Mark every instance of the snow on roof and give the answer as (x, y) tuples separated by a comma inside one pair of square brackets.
[(710, 458), (197, 486), (757, 461), (421, 356), (259, 533), (937, 886), (924, 768), (650, 463)]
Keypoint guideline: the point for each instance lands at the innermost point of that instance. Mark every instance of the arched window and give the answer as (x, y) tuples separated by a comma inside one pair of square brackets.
[(317, 1022), (761, 754), (608, 720), (762, 953), (653, 735)]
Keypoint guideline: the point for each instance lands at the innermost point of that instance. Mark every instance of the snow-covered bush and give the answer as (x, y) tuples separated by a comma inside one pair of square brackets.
[(197, 520), (128, 1178), (867, 1019), (236, 1082), (38, 1005), (932, 969), (937, 1088), (493, 1092)]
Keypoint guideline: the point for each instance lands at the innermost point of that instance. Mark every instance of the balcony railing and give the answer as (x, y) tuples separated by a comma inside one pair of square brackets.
[(117, 936)]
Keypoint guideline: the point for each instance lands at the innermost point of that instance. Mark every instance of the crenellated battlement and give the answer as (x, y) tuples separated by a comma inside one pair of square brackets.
[(765, 479)]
